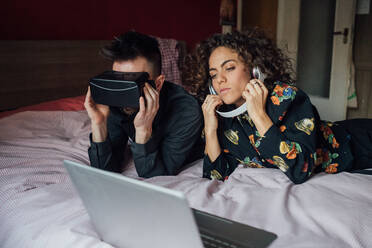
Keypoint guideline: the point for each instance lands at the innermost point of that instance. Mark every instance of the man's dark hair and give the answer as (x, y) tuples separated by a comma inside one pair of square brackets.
[(131, 45)]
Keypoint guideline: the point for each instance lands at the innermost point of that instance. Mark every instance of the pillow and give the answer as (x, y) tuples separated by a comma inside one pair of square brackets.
[(64, 104), (172, 57)]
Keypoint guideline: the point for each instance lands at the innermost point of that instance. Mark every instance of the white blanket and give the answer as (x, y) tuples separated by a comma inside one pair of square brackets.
[(40, 208)]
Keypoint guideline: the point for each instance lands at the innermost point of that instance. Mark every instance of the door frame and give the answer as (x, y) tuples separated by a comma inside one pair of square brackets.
[(335, 107)]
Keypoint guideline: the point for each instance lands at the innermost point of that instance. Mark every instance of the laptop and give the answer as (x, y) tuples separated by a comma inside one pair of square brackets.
[(131, 213)]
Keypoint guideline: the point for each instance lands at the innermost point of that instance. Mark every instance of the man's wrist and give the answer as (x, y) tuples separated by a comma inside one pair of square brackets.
[(143, 135), (99, 132)]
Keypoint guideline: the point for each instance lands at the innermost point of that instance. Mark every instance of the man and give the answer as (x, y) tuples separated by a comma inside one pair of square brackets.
[(162, 133)]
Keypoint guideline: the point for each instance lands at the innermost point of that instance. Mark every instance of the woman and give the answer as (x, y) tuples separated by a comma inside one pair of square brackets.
[(280, 128)]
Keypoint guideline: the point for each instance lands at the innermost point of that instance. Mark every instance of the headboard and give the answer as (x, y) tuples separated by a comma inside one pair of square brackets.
[(41, 70), (35, 71)]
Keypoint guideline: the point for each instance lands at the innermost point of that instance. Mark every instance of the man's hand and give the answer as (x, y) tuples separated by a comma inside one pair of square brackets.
[(98, 115), (146, 115)]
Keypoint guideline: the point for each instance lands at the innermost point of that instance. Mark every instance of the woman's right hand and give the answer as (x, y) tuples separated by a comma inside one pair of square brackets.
[(212, 146), (209, 106)]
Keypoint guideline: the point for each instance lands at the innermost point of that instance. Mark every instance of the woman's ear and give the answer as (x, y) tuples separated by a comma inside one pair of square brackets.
[(159, 81)]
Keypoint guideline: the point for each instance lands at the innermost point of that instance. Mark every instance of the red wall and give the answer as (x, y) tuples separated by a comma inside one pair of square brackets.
[(190, 21)]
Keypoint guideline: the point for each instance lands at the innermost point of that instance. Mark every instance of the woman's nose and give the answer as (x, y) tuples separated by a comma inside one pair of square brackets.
[(221, 78)]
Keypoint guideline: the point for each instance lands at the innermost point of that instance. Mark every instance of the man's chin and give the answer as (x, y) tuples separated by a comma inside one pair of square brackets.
[(128, 110)]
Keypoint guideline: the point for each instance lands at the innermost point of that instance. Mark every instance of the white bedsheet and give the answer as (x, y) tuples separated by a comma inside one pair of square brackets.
[(40, 208)]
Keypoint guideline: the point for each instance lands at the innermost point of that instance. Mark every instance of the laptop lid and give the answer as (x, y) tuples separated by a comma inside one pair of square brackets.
[(130, 213)]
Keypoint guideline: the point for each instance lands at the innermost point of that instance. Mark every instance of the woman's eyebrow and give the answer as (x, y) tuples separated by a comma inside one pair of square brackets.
[(227, 61), (223, 63)]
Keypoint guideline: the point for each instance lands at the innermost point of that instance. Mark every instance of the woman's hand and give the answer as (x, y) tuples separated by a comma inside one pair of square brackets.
[(98, 115), (255, 95), (146, 115), (209, 112), (212, 146)]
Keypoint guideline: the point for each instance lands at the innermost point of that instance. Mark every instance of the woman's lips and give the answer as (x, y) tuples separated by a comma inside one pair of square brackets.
[(224, 90)]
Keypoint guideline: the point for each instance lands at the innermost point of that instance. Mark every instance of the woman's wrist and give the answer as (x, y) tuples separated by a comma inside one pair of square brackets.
[(212, 146), (210, 133), (262, 123)]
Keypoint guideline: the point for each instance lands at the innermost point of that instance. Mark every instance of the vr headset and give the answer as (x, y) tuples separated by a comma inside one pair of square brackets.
[(119, 89)]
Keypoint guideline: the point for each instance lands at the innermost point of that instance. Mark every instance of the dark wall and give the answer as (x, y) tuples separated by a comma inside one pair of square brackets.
[(190, 21), (262, 14)]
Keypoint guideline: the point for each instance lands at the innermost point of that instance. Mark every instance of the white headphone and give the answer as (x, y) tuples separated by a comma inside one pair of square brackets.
[(256, 73)]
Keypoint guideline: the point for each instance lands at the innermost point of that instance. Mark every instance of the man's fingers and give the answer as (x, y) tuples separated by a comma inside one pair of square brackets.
[(142, 109), (87, 96), (88, 102), (151, 91), (149, 100), (154, 95)]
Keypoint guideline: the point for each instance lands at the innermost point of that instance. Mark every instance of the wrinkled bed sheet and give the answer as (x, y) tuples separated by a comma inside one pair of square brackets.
[(40, 208)]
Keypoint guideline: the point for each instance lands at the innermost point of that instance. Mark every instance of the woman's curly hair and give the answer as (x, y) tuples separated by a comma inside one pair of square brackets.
[(253, 47)]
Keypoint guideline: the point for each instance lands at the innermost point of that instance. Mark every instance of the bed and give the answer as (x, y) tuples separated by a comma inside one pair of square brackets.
[(39, 206)]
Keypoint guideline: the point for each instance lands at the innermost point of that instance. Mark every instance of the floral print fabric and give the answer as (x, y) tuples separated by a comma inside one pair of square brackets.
[(298, 143)]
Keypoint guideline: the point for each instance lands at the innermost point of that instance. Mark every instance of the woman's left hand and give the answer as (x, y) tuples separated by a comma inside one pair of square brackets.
[(255, 95)]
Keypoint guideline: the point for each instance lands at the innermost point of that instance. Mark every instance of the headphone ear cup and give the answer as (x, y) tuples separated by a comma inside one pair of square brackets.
[(257, 74), (210, 86), (211, 90)]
